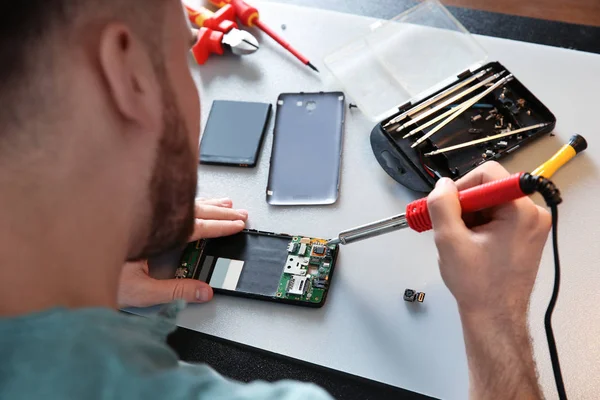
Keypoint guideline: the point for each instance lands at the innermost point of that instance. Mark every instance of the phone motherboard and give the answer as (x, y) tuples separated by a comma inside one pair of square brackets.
[(306, 273)]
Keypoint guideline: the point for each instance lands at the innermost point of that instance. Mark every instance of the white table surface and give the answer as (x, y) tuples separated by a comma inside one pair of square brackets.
[(365, 328)]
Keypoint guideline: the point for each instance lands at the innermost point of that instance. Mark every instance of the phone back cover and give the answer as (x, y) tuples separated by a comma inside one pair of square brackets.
[(307, 148)]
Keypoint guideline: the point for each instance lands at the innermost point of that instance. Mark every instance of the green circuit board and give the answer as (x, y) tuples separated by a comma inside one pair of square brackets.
[(189, 260), (307, 269)]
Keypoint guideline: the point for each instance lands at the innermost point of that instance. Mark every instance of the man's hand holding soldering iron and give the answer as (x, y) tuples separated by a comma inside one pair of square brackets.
[(489, 261)]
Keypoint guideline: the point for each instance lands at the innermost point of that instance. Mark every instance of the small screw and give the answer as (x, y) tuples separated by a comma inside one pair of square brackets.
[(352, 105)]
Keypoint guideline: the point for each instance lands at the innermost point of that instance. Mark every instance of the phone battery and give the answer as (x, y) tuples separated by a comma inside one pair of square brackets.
[(234, 133)]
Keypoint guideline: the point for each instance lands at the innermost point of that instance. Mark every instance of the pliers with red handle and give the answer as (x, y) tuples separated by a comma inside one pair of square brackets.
[(218, 31)]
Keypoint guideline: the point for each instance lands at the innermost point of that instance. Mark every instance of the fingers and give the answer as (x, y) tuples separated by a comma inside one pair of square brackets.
[(205, 229), (225, 202), (216, 218), (487, 172), (138, 289), (444, 210), (207, 211), (164, 291)]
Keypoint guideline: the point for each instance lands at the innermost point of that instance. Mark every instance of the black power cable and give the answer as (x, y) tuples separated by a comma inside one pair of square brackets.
[(560, 386), (529, 184)]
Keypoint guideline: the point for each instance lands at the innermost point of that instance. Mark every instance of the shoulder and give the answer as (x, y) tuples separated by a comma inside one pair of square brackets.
[(198, 381)]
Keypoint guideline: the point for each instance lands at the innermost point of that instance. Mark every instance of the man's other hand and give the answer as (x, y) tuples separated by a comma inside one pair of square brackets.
[(214, 218), (489, 261)]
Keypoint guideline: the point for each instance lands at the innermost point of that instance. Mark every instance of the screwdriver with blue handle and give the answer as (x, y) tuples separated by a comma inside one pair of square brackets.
[(476, 198)]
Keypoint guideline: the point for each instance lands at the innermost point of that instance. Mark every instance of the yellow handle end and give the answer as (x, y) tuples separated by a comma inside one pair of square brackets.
[(547, 169)]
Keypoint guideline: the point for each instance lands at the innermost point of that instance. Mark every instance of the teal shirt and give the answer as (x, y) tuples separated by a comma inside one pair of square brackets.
[(102, 354)]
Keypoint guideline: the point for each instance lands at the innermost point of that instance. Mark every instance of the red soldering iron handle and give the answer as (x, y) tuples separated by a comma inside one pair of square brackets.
[(477, 198)]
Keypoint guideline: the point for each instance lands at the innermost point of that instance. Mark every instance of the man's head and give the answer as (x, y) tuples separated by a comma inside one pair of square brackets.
[(97, 100)]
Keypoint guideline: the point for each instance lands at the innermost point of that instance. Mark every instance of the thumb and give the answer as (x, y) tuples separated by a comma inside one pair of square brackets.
[(444, 210), (190, 290)]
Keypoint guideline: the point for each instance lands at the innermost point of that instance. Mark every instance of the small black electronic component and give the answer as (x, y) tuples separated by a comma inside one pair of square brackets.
[(319, 283), (318, 251), (411, 296), (293, 247)]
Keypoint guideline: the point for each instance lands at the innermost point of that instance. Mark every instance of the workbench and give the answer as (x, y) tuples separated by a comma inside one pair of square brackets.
[(365, 328)]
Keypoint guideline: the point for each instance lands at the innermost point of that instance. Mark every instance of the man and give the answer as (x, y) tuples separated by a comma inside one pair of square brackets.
[(98, 146)]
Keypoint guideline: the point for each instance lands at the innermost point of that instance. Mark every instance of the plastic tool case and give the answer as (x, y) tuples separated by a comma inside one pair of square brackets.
[(403, 63)]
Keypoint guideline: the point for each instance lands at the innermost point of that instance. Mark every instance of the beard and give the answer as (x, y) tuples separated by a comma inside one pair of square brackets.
[(172, 188)]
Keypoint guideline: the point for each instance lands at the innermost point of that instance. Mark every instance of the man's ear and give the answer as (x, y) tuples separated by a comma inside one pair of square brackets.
[(131, 79)]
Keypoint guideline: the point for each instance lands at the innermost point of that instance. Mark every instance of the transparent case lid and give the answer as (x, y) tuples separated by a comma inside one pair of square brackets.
[(405, 59)]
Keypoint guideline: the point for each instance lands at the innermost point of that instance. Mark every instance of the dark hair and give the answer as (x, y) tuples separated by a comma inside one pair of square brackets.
[(32, 30), (22, 25)]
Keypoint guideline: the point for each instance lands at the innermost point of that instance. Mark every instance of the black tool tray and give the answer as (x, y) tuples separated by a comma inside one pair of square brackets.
[(402, 63), (513, 104)]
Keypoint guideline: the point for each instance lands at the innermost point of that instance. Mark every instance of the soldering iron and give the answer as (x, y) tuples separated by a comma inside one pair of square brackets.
[(474, 199)]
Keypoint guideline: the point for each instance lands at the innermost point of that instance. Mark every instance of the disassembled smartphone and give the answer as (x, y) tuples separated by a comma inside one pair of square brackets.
[(263, 265)]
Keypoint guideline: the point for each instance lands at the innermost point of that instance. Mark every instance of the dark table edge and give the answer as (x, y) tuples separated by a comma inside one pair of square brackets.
[(226, 356)]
